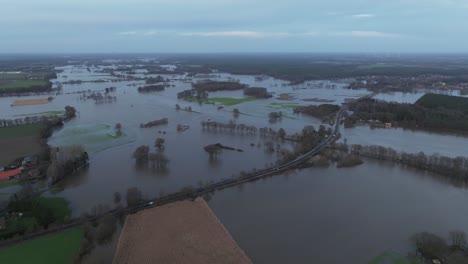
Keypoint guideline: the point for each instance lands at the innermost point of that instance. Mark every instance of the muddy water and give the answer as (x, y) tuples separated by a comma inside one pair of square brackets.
[(339, 215), (303, 218), (409, 141)]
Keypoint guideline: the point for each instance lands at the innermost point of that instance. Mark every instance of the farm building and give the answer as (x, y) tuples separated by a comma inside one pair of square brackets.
[(6, 175)]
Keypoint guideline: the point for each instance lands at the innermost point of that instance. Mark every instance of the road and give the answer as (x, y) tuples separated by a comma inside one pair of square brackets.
[(191, 194)]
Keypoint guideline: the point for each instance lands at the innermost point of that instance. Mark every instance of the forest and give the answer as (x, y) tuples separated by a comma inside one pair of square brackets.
[(326, 112), (431, 112)]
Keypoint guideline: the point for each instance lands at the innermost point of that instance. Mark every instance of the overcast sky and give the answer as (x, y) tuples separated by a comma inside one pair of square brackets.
[(36, 26)]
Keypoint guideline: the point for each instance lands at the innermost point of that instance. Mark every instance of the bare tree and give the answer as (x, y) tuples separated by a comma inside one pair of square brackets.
[(141, 154), (458, 238), (159, 143), (118, 129)]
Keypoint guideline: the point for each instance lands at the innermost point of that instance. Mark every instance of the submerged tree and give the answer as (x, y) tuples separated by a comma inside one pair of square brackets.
[(141, 154), (158, 160), (159, 143), (213, 150), (118, 129), (236, 112)]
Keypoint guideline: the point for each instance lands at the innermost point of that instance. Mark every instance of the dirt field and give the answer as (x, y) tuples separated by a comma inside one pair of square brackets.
[(37, 101), (181, 232)]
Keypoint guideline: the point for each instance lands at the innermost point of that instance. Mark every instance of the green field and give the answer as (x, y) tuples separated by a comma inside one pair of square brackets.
[(20, 131), (48, 113), (227, 101), (58, 205), (57, 248), (12, 76), (5, 184), (23, 84), (277, 105), (94, 137)]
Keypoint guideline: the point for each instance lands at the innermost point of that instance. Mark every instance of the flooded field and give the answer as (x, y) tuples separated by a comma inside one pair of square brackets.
[(309, 215), (339, 215)]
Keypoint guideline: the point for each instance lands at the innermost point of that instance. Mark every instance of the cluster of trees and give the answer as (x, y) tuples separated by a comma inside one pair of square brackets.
[(212, 86), (101, 232), (258, 92), (25, 121), (65, 161), (70, 112), (157, 79), (430, 247), (143, 156), (99, 98), (326, 112), (162, 121), (198, 95), (151, 88), (110, 89), (433, 101), (231, 126), (308, 138), (213, 150), (424, 114), (45, 88), (454, 168), (275, 116)]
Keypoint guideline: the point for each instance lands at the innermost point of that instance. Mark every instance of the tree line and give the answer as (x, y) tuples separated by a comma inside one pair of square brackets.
[(414, 116), (453, 168)]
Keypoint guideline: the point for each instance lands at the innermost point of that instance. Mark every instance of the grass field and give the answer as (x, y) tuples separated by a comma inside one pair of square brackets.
[(277, 105), (12, 76), (20, 131), (58, 205), (48, 113), (227, 101), (5, 184), (57, 248), (23, 84)]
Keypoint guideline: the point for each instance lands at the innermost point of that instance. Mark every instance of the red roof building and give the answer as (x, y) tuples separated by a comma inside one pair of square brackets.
[(5, 175)]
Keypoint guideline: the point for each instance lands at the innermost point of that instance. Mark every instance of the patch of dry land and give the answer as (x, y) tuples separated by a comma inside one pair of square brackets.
[(180, 232), (36, 101)]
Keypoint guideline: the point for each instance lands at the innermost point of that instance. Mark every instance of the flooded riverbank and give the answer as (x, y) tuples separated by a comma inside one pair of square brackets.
[(362, 212)]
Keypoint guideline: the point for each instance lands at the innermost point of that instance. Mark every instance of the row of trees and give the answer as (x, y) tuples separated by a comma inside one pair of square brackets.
[(99, 98), (45, 88), (454, 168), (258, 92), (70, 112), (66, 160), (143, 156)]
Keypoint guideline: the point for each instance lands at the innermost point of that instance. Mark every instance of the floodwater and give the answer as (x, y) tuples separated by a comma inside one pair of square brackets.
[(335, 216), (406, 140), (316, 215)]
